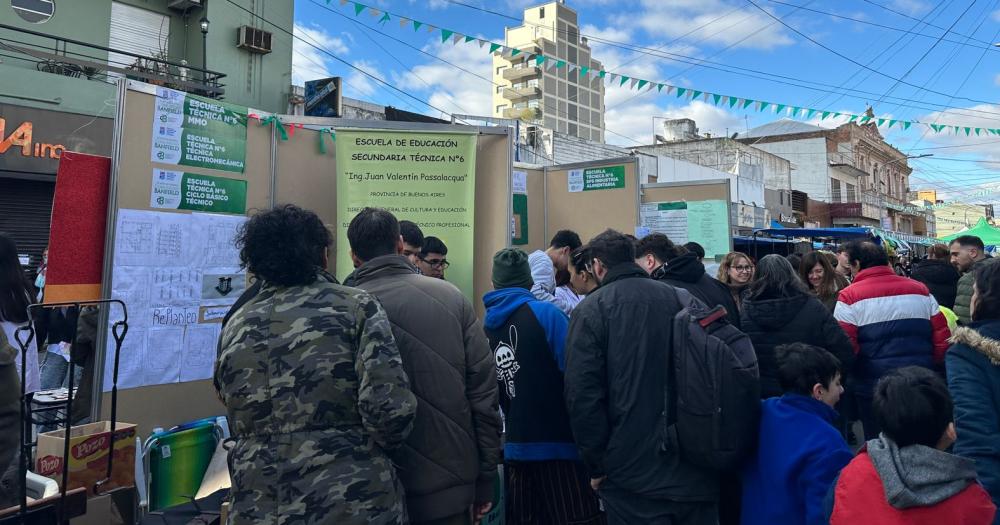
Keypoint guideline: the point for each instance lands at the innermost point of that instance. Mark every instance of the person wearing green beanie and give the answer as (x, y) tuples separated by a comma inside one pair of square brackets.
[(528, 337), (511, 269)]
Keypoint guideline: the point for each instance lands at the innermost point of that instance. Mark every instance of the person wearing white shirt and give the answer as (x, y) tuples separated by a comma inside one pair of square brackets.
[(544, 265)]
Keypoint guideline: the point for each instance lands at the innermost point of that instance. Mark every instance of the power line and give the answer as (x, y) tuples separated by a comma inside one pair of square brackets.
[(335, 57), (923, 56), (855, 62), (431, 55), (744, 71), (987, 45)]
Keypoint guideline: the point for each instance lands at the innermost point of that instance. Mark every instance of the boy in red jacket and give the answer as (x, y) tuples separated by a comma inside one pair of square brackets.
[(905, 476)]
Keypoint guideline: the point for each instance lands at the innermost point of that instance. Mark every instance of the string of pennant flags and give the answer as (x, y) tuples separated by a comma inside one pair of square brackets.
[(640, 84)]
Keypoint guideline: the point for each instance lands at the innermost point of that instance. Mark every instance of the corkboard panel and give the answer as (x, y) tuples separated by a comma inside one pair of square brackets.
[(686, 191), (536, 210), (591, 212), (172, 404)]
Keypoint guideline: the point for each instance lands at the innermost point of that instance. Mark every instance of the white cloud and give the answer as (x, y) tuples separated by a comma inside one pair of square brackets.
[(449, 88), (700, 21), (616, 34), (910, 7), (635, 120), (359, 85), (308, 62)]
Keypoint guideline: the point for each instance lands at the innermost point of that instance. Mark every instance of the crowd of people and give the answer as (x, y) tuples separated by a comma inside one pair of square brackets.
[(388, 400)]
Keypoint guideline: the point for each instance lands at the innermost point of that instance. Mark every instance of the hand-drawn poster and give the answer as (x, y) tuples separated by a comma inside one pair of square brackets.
[(176, 274)]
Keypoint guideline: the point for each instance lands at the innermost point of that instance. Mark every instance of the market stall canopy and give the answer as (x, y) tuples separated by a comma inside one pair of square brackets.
[(989, 234), (833, 233)]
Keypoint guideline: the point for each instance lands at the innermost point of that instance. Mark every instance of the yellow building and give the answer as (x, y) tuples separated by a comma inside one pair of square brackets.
[(953, 217), (557, 98)]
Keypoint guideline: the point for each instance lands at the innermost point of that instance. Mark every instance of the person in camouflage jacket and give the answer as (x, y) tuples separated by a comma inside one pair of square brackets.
[(313, 385)]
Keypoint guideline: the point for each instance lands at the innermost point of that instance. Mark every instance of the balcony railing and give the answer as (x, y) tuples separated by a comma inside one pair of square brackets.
[(519, 71), (512, 94), (523, 113), (76, 59)]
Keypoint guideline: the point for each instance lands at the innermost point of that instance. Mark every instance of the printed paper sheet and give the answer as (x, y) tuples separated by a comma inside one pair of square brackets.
[(177, 274)]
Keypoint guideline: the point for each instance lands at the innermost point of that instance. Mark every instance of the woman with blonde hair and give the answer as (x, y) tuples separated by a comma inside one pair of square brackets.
[(736, 271)]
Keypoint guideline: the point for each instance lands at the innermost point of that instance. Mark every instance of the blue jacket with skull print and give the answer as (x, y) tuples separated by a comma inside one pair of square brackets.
[(528, 340)]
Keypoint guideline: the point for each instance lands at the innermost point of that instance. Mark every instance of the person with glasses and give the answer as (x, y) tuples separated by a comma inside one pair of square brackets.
[(736, 271), (431, 260)]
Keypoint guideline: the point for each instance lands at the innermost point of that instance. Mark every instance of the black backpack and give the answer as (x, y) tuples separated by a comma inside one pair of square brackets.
[(712, 400)]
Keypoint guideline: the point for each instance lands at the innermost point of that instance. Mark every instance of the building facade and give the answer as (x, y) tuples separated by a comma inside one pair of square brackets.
[(864, 180), (759, 179), (554, 97), (954, 217), (60, 60)]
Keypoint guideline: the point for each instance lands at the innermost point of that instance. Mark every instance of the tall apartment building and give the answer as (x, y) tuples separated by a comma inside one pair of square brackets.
[(552, 97)]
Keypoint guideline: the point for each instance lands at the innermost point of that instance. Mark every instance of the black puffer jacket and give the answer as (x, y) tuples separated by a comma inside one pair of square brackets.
[(941, 279), (771, 323), (616, 364), (688, 272)]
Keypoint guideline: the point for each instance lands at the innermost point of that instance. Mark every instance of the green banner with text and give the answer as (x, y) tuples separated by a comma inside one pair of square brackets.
[(176, 190), (427, 178), (193, 131)]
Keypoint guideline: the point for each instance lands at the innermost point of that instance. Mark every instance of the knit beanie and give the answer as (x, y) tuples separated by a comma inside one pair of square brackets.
[(511, 269)]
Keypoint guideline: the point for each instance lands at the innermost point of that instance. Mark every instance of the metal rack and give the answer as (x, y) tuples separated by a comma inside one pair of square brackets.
[(24, 336)]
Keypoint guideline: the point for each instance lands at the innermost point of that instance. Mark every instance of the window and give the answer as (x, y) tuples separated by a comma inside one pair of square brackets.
[(852, 194), (572, 128), (501, 107), (572, 92), (499, 89), (534, 102), (562, 90), (834, 190), (138, 31), (541, 12), (532, 82), (34, 11), (572, 112), (501, 69), (571, 54)]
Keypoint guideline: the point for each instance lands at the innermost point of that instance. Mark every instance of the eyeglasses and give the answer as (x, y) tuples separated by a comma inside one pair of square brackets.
[(437, 263), (742, 269)]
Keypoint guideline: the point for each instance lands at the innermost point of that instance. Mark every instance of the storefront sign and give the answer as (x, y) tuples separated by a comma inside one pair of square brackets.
[(589, 179), (33, 140), (193, 131), (177, 190), (427, 178)]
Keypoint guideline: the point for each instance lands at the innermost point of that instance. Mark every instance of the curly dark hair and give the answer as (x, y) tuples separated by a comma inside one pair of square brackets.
[(285, 245)]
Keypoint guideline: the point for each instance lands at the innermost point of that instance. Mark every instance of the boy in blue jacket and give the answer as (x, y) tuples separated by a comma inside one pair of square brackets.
[(800, 452), (546, 483)]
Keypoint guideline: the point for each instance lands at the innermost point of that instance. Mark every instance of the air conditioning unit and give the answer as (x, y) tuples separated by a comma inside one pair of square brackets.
[(253, 40), (184, 5)]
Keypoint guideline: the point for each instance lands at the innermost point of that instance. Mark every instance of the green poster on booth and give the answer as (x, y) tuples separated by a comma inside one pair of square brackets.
[(177, 190), (519, 232), (189, 130), (424, 177)]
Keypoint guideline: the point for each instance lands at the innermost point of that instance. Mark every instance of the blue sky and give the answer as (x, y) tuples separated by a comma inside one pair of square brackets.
[(940, 50)]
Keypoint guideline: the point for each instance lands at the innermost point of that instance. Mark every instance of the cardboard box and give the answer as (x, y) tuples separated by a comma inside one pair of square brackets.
[(88, 449)]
